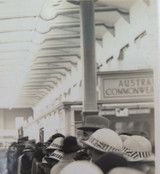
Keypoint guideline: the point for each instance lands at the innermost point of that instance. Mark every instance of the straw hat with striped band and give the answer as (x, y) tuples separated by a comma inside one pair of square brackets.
[(138, 148), (56, 144), (105, 140), (57, 155)]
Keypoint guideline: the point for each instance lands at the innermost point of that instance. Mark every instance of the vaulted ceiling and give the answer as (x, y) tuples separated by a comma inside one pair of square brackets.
[(40, 43)]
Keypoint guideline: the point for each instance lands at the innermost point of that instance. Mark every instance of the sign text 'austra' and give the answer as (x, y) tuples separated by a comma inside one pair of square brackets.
[(133, 86)]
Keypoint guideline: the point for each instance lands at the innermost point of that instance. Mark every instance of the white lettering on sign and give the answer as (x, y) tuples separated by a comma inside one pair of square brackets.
[(128, 87)]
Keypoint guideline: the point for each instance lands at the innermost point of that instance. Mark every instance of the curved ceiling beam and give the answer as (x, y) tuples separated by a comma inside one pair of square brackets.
[(60, 37), (60, 47), (59, 56), (47, 73), (52, 68), (55, 62), (76, 11), (44, 77)]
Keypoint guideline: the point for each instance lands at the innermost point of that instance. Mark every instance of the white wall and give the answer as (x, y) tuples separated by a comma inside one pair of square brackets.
[(139, 54)]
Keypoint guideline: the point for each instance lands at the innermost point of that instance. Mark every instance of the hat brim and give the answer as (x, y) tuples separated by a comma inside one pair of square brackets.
[(50, 159), (87, 127), (28, 150), (50, 148), (149, 159), (90, 145)]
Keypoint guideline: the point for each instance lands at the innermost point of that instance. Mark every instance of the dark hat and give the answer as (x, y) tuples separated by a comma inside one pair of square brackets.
[(111, 160), (94, 122), (28, 148), (23, 139), (70, 145)]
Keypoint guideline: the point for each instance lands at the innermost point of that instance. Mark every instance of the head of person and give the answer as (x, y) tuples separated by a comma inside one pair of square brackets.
[(38, 154), (124, 170), (111, 160), (138, 151), (29, 151), (70, 146), (55, 145), (82, 155), (91, 124), (102, 141), (79, 167)]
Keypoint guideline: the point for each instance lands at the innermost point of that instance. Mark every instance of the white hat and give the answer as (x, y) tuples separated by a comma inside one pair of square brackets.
[(138, 148), (44, 161), (56, 144), (105, 140), (79, 167), (57, 155), (124, 137), (125, 170)]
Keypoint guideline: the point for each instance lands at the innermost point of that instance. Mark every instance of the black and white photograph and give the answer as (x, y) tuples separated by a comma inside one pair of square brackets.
[(79, 87)]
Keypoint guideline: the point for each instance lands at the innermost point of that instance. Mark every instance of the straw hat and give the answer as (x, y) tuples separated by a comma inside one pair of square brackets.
[(125, 170), (94, 122), (56, 155), (56, 144), (105, 140), (79, 167), (138, 148)]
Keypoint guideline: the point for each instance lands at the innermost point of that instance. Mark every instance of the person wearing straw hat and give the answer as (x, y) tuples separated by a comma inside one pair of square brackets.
[(55, 145), (103, 140), (53, 137), (91, 124), (70, 147), (54, 157), (138, 151)]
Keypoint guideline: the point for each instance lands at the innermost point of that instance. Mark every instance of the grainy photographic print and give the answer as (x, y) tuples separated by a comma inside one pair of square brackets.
[(79, 87)]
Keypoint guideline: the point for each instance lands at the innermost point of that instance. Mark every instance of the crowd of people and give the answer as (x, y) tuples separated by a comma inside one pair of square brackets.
[(100, 150)]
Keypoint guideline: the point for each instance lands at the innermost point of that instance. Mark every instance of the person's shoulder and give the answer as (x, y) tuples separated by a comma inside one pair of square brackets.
[(55, 168)]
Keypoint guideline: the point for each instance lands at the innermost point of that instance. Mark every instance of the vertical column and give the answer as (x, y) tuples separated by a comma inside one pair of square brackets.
[(88, 57), (67, 111)]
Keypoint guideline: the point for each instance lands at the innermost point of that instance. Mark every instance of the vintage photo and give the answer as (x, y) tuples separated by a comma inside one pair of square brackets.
[(79, 87)]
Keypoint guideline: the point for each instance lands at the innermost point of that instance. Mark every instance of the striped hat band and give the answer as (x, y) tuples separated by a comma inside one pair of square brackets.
[(57, 146), (57, 155), (136, 154), (102, 146)]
